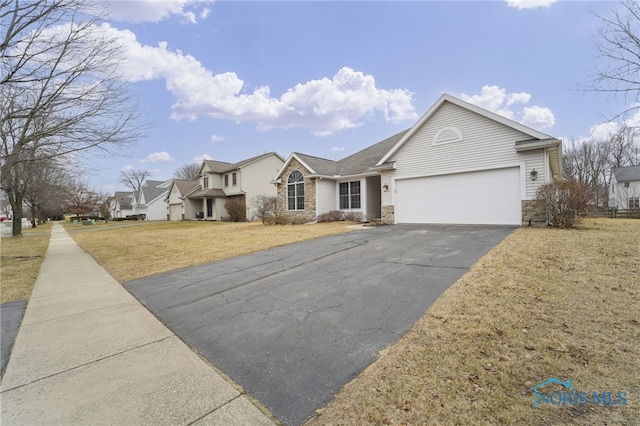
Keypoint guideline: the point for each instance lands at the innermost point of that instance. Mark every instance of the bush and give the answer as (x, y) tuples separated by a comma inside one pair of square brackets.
[(237, 209), (332, 216), (562, 201), (276, 220), (266, 208), (354, 217), (337, 216)]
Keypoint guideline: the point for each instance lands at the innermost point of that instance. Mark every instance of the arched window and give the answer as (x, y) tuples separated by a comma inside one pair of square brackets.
[(295, 191)]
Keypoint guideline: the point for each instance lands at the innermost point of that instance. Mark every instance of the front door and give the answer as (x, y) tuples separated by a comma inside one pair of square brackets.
[(209, 207)]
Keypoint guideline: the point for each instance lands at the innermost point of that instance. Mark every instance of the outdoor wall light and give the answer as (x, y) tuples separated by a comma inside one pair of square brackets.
[(385, 188), (534, 174)]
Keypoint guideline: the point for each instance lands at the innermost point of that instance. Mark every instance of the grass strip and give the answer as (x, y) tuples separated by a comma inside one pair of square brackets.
[(20, 260)]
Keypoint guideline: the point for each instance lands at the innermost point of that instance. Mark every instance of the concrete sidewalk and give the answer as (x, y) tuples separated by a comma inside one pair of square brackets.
[(88, 353)]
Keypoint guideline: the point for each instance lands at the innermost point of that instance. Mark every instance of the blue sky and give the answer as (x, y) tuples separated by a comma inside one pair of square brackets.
[(229, 80)]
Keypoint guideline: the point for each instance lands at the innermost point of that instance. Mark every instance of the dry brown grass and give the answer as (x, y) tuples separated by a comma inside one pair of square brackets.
[(544, 303), (20, 260), (133, 251)]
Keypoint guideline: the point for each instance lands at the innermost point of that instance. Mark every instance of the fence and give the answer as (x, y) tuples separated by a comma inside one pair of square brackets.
[(612, 212)]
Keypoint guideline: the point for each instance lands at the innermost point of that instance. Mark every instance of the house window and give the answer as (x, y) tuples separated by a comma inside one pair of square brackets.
[(350, 195), (234, 179), (226, 180), (626, 184), (295, 191), (634, 202), (205, 182)]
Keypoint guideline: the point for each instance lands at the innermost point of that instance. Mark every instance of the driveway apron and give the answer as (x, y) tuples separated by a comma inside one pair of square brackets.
[(293, 324)]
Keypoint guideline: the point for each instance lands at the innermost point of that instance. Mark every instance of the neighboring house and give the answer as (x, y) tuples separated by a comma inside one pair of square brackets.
[(220, 181), (175, 198), (624, 187), (122, 204), (150, 201), (458, 164)]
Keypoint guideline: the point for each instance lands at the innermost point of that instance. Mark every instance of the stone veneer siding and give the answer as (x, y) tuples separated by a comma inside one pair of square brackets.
[(309, 212), (531, 212), (388, 214)]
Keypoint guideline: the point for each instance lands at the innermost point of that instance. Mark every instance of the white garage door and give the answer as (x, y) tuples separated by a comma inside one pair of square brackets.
[(485, 197), (175, 212)]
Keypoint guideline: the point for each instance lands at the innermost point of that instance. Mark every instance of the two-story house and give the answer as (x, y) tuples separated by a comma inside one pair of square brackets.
[(121, 205), (220, 181), (624, 187)]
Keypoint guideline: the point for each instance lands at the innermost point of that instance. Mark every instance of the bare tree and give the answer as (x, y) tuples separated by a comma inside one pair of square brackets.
[(104, 200), (60, 91), (618, 47), (187, 172), (47, 181), (587, 162), (133, 178), (624, 149)]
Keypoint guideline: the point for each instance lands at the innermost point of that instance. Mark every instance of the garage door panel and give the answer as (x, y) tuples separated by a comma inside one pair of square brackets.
[(486, 197)]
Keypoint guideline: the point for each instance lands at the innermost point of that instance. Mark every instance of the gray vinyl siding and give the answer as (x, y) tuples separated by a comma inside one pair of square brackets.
[(326, 196), (486, 144)]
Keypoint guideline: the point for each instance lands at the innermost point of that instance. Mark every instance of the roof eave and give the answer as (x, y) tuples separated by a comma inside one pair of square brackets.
[(537, 144)]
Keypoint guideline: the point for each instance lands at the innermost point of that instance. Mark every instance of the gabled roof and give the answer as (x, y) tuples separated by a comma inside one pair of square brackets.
[(626, 174), (224, 167), (151, 193), (362, 161), (153, 183), (186, 186), (210, 193), (481, 111), (359, 162), (123, 198)]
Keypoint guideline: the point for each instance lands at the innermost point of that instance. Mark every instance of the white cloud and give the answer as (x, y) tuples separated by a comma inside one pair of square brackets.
[(201, 158), (602, 131), (511, 105), (217, 138), (337, 149), (321, 106), (530, 4), (157, 157), (127, 168), (538, 117), (156, 11)]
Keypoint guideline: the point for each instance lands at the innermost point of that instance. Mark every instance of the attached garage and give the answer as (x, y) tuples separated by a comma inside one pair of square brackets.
[(175, 212), (481, 197)]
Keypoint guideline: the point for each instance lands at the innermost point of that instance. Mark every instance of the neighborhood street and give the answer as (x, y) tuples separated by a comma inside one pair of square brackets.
[(292, 325)]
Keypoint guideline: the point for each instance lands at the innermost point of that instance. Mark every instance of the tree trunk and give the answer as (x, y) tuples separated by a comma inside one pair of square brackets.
[(33, 217), (16, 206)]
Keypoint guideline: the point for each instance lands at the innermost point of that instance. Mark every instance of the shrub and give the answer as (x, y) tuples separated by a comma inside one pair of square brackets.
[(332, 216), (276, 220), (237, 209), (562, 201), (353, 217), (266, 208)]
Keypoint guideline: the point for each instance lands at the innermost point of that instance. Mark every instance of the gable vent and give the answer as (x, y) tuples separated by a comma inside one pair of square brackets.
[(447, 134)]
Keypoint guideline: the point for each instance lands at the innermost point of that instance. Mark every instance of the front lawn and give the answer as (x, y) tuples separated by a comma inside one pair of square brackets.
[(138, 249)]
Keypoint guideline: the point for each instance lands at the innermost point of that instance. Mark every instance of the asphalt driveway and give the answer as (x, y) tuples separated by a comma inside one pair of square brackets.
[(292, 325)]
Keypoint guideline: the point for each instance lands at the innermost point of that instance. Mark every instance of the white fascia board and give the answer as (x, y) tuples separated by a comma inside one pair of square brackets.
[(546, 143)]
